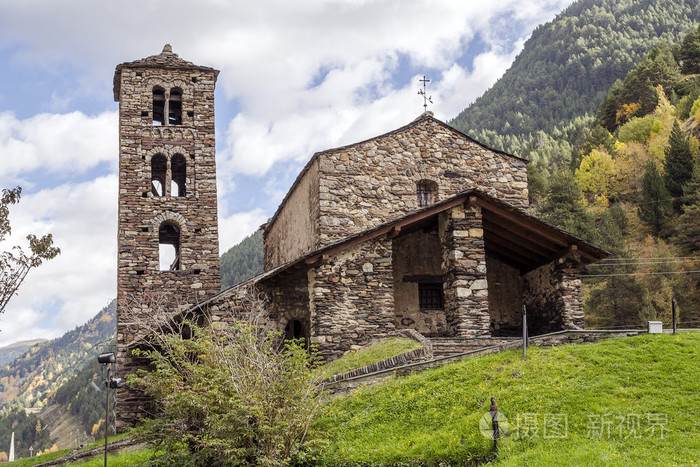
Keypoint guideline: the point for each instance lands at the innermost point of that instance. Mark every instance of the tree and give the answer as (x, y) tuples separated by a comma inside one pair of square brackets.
[(688, 230), (15, 264), (678, 164), (229, 394), (565, 207), (655, 208), (689, 54)]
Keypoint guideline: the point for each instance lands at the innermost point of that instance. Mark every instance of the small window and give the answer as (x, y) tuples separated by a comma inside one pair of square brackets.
[(294, 330), (175, 107), (159, 166), (431, 296), (425, 190), (169, 247), (158, 106), (178, 168)]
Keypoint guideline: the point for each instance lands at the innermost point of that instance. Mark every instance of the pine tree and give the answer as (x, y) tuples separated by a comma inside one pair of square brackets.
[(678, 165), (688, 231), (565, 207), (689, 53), (655, 208)]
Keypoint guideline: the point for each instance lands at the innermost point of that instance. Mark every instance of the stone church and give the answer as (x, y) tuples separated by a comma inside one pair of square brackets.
[(421, 228)]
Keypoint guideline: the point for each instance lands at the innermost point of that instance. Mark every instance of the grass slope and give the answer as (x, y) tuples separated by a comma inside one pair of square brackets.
[(610, 393), (373, 353)]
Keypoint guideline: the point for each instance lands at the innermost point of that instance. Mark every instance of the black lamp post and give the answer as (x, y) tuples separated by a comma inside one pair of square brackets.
[(108, 359)]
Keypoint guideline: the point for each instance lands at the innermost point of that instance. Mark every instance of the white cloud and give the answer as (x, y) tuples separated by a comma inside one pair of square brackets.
[(65, 144), (71, 288), (237, 226)]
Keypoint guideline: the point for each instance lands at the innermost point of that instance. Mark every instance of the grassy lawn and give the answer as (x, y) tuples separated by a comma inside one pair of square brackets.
[(631, 401), (36, 460), (121, 459), (373, 353)]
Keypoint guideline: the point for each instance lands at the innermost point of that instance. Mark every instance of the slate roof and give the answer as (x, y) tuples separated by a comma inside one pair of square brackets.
[(166, 59)]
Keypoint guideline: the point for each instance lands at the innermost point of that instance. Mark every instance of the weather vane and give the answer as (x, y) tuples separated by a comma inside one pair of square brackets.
[(426, 98)]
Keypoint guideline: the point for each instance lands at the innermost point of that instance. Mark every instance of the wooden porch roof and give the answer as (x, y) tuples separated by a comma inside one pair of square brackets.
[(510, 235)]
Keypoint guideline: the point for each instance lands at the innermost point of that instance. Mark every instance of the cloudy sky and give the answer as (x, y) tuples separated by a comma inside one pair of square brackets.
[(297, 76)]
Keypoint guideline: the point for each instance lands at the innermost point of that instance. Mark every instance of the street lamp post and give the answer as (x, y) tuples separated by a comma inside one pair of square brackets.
[(108, 360)]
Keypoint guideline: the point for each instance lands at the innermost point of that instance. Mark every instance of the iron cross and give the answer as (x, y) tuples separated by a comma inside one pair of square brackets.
[(426, 98)]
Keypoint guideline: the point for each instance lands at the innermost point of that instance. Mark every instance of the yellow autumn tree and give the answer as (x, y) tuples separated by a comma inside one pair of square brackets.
[(3, 456), (596, 176), (96, 427)]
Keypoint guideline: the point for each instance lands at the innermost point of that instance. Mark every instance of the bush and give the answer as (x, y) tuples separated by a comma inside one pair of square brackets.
[(228, 395)]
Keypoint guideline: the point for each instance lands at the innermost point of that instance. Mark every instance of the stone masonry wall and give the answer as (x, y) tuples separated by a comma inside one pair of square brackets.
[(295, 229), (141, 213), (552, 294), (466, 287), (370, 183), (352, 298)]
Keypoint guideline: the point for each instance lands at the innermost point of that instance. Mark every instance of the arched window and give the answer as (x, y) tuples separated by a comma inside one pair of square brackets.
[(175, 107), (159, 166), (426, 191), (178, 168), (169, 247), (158, 106)]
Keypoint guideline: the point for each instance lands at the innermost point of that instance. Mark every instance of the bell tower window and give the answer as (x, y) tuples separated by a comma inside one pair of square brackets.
[(169, 247), (159, 166), (167, 106), (158, 106), (178, 168), (175, 107)]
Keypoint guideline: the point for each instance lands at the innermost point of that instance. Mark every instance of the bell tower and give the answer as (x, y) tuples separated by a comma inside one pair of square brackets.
[(168, 224)]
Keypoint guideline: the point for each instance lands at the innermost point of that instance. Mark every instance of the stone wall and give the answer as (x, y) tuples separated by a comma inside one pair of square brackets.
[(552, 294), (352, 298), (466, 287), (351, 189), (414, 255), (372, 182), (294, 231)]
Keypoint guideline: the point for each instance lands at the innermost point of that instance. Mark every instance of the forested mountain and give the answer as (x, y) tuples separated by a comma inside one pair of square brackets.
[(242, 261), (14, 350), (33, 377), (568, 65)]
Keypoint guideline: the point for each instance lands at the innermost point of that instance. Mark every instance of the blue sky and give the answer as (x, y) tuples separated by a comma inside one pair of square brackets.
[(297, 76)]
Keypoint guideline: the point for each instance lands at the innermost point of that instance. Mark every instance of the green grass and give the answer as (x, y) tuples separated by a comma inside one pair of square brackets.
[(432, 417), (36, 460), (373, 353), (121, 459)]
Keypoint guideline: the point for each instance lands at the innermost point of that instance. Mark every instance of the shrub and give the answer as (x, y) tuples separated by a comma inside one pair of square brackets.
[(227, 395)]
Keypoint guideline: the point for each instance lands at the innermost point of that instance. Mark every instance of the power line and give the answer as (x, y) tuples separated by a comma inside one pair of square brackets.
[(651, 258), (644, 263), (640, 273)]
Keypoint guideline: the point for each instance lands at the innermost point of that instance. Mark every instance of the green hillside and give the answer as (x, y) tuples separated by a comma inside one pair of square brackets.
[(31, 379), (242, 261), (627, 401), (14, 350), (567, 66)]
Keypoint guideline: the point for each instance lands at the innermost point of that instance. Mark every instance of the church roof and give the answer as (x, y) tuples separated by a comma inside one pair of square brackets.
[(166, 59), (424, 116), (510, 234)]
